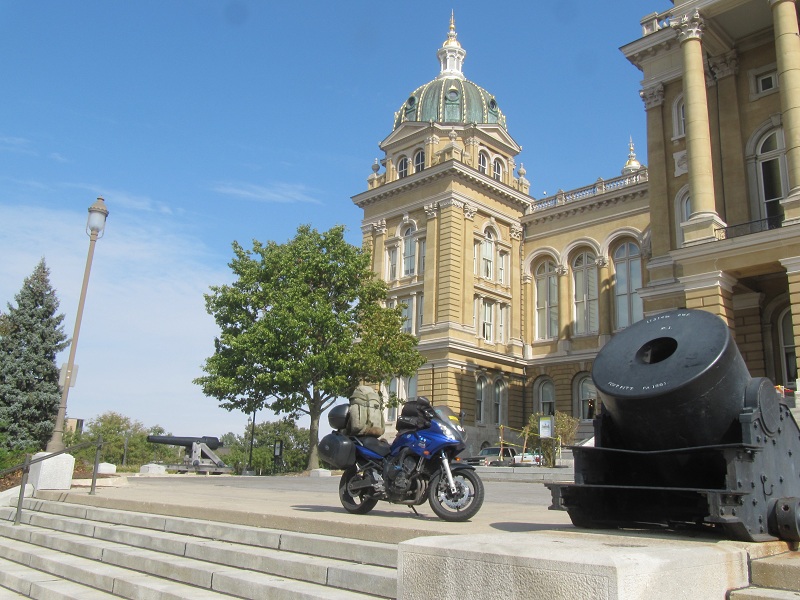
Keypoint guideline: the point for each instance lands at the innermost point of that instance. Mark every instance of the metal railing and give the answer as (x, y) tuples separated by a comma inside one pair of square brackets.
[(726, 233), (26, 467)]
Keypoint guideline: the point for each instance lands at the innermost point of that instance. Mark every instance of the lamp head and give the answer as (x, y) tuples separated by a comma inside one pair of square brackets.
[(97, 218)]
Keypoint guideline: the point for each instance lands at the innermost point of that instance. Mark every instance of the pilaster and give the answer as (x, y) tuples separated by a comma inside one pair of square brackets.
[(712, 292), (604, 302), (792, 266), (564, 309), (450, 280)]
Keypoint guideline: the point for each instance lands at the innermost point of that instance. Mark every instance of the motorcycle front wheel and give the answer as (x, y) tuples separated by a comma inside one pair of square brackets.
[(357, 504), (458, 506)]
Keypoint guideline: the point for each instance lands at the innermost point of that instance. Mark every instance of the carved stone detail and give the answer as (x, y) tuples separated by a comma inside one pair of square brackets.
[(470, 210), (652, 96), (725, 65), (689, 26), (379, 226), (516, 231), (430, 211)]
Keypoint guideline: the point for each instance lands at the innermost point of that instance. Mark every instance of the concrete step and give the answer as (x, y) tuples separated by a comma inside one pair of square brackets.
[(759, 593), (780, 572), (20, 581), (359, 551), (140, 555)]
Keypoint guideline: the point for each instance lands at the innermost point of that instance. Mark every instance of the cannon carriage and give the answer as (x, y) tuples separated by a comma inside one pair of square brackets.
[(686, 437), (199, 456)]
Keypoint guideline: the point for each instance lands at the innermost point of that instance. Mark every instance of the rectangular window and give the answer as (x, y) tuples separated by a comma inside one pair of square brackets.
[(501, 323), (501, 268), (488, 313), (767, 82), (409, 257), (420, 310), (407, 325), (392, 263), (421, 246)]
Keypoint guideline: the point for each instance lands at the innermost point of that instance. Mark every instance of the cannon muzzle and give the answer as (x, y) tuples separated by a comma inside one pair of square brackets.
[(169, 440)]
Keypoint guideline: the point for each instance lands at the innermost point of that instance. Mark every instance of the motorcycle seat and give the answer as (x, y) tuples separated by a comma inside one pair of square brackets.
[(380, 447)]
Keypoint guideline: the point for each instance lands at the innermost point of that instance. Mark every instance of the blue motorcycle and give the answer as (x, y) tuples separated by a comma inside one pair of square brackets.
[(420, 464)]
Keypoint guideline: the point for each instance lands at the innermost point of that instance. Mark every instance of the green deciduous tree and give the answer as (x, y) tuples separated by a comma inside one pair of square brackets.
[(295, 444), (303, 324), (31, 335), (124, 440)]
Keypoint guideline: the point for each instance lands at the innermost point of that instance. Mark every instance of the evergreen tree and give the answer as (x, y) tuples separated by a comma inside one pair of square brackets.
[(31, 335)]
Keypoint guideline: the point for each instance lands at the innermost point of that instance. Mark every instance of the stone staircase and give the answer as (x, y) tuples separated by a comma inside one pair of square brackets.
[(772, 578), (63, 551)]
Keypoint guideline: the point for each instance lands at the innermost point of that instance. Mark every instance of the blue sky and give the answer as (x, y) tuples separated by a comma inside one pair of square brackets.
[(205, 122)]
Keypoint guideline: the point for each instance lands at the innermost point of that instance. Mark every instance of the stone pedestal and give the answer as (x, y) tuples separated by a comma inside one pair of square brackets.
[(320, 473), (52, 474), (569, 566), (106, 469), (151, 469)]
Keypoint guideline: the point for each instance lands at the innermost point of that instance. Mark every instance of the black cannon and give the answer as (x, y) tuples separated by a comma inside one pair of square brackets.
[(684, 436), (186, 442), (199, 456)]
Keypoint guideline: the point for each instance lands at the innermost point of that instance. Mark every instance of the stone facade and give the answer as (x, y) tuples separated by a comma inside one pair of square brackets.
[(513, 296)]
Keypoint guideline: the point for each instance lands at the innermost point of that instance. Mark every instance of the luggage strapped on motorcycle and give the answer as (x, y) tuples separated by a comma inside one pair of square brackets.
[(365, 413), (416, 414)]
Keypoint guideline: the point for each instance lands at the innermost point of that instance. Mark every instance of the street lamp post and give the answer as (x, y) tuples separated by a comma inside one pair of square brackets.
[(94, 228)]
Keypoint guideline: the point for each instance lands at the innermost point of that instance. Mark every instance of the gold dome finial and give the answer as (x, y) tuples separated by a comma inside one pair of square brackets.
[(632, 165), (451, 34)]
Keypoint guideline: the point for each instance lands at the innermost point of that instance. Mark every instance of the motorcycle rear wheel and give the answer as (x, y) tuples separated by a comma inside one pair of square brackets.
[(358, 504), (462, 505)]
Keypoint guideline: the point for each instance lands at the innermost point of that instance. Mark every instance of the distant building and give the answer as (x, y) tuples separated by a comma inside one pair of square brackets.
[(74, 425), (512, 296)]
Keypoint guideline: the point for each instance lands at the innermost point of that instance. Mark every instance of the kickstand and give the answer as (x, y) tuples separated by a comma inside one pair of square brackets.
[(411, 506)]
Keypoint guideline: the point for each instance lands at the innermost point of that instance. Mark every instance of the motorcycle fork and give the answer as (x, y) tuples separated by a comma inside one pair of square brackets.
[(446, 468)]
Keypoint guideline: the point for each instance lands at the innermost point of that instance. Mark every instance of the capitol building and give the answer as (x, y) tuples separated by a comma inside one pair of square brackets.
[(512, 296)]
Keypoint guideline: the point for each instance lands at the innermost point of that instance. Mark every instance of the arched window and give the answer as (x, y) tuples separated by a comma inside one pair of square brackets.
[(546, 301), (402, 167), (683, 210), (788, 353), (497, 405), (772, 179), (584, 272), (409, 251), (483, 163), (586, 397), (497, 170), (545, 394), (487, 254), (419, 161), (627, 279), (480, 395)]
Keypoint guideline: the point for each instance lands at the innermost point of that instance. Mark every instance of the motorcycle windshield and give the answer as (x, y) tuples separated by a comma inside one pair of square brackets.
[(448, 421)]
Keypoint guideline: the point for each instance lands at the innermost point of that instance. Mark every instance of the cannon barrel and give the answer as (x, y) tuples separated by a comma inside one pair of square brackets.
[(674, 380), (169, 440)]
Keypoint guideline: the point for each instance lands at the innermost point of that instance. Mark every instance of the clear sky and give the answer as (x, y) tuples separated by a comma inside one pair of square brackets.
[(202, 122)]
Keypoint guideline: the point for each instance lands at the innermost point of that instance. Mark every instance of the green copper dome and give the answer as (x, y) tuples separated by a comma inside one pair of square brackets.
[(451, 97), (450, 100)]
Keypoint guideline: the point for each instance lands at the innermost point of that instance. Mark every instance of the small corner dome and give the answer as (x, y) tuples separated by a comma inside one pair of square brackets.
[(451, 97)]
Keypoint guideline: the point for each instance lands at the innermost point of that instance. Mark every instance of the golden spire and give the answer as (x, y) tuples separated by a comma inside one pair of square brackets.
[(451, 34)]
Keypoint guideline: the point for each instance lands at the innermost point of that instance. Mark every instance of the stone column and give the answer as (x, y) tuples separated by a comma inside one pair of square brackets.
[(430, 149), (564, 309), (526, 309), (787, 50), (449, 280), (792, 266), (704, 219)]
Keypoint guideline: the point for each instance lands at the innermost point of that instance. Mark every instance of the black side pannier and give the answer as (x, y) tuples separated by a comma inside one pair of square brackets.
[(416, 414), (337, 450)]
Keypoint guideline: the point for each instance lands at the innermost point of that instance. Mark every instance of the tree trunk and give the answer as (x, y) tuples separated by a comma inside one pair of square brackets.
[(314, 411)]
